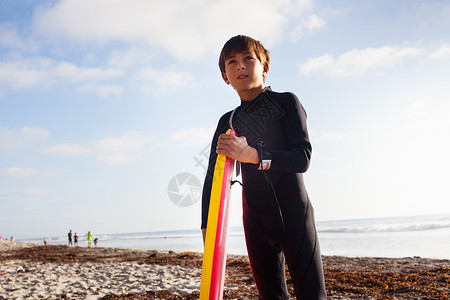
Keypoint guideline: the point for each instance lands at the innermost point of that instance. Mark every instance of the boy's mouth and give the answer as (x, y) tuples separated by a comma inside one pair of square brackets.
[(242, 76)]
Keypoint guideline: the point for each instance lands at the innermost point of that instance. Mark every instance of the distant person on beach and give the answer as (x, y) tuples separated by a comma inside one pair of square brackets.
[(45, 241), (274, 150), (75, 239), (89, 238), (69, 235), (95, 242)]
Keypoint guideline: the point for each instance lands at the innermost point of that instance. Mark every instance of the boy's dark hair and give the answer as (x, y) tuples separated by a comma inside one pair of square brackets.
[(242, 43)]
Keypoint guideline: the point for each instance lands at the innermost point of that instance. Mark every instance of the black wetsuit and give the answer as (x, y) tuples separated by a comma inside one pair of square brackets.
[(277, 214)]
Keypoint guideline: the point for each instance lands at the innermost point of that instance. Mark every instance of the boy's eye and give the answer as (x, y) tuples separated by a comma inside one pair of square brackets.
[(249, 57), (231, 61)]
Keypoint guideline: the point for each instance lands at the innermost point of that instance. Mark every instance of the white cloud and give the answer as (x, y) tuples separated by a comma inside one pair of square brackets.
[(358, 62), (20, 72), (123, 149), (13, 139), (17, 172), (129, 142), (191, 28), (132, 57), (443, 53), (166, 80), (67, 149), (104, 90), (9, 37), (306, 26), (26, 172), (70, 72), (34, 192), (431, 14), (25, 73), (118, 158), (330, 12), (186, 30), (197, 137)]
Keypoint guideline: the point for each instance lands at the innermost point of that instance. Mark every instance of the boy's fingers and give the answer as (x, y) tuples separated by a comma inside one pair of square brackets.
[(225, 140), (226, 137)]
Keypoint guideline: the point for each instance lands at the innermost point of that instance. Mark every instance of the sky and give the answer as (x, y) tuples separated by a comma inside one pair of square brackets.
[(107, 107)]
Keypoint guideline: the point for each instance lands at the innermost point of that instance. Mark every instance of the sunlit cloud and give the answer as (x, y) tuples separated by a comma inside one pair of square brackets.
[(13, 139), (104, 90), (197, 137), (34, 192), (307, 25), (165, 80), (191, 28), (10, 38), (67, 149), (25, 73), (31, 72), (124, 149), (358, 62), (71, 72), (18, 172), (443, 53), (130, 58)]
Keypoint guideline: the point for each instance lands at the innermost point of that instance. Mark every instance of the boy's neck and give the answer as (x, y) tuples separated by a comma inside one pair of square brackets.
[(249, 95)]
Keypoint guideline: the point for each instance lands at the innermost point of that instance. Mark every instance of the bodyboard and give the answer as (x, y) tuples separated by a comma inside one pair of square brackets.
[(215, 253)]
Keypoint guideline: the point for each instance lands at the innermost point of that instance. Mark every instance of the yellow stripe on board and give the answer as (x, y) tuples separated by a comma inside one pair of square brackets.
[(211, 227)]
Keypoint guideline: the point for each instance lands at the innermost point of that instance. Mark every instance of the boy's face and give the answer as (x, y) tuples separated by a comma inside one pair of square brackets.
[(245, 73)]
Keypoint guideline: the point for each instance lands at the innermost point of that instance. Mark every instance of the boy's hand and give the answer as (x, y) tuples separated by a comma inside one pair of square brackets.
[(236, 147)]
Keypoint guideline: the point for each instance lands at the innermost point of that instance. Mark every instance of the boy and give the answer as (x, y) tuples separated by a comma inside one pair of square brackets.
[(274, 150)]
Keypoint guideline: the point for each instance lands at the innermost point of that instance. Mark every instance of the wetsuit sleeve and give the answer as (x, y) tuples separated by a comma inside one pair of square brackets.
[(222, 127), (297, 158)]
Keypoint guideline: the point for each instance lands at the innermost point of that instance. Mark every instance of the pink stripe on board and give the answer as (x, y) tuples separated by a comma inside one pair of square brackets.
[(216, 289)]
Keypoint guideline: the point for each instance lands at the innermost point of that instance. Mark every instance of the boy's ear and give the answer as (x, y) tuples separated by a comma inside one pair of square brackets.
[(265, 70), (225, 78)]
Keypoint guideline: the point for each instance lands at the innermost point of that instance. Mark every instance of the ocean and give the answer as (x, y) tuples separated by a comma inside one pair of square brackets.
[(418, 236)]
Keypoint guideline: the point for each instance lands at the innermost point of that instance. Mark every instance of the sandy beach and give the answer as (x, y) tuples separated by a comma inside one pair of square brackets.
[(61, 272)]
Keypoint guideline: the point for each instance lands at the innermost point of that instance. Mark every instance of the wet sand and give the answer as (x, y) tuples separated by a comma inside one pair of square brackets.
[(62, 272)]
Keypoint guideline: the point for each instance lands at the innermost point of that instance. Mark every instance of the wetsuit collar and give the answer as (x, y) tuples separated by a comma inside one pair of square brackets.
[(245, 103)]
